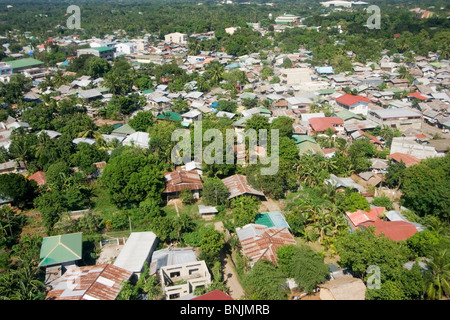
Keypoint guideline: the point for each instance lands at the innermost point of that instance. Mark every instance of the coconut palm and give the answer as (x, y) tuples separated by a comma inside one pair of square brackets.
[(438, 284)]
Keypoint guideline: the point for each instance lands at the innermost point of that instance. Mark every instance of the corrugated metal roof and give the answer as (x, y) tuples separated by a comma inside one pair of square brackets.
[(237, 185), (179, 180), (136, 251), (99, 282)]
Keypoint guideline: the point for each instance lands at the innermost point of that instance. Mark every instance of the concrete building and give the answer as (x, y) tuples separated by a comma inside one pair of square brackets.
[(101, 52), (176, 37), (128, 48), (400, 118), (182, 279), (295, 76)]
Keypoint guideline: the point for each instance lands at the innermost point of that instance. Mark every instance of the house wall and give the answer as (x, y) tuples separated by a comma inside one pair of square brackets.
[(400, 123)]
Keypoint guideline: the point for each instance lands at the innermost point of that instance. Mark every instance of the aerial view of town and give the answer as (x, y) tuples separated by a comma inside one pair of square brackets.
[(232, 150)]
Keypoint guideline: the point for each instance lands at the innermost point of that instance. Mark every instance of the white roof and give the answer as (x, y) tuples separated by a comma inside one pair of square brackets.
[(140, 139), (137, 250)]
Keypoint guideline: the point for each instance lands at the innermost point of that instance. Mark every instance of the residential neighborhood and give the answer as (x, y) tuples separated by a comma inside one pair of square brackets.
[(94, 206)]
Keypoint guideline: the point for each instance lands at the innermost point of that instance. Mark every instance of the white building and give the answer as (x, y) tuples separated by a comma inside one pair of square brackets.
[(176, 37), (128, 48)]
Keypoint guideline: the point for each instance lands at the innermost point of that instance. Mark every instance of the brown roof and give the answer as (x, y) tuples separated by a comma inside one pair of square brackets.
[(237, 184), (264, 246), (179, 180), (407, 159), (98, 282), (39, 177)]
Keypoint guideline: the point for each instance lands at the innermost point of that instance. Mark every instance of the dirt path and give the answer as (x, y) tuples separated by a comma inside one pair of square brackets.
[(229, 275), (269, 205), (231, 280)]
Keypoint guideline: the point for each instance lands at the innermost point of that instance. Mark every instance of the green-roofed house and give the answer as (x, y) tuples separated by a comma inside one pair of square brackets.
[(306, 144), (61, 250), (24, 64), (347, 115), (272, 219), (101, 52), (124, 130), (169, 115)]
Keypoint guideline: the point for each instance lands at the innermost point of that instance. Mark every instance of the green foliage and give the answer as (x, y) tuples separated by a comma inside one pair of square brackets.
[(186, 196), (354, 202), (303, 264), (245, 210), (265, 282), (142, 121), (214, 192), (131, 178), (383, 201), (19, 189), (425, 242)]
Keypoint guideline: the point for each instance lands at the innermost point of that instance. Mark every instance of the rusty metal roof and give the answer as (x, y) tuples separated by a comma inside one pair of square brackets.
[(99, 282), (179, 180), (237, 184), (264, 246)]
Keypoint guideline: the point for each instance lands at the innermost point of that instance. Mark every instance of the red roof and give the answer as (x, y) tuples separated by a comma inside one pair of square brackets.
[(349, 99), (39, 177), (360, 216), (214, 295), (178, 180), (407, 159), (322, 123), (417, 95), (395, 230), (372, 138)]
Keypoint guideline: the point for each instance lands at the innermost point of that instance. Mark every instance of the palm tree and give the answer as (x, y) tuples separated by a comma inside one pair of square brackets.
[(438, 284)]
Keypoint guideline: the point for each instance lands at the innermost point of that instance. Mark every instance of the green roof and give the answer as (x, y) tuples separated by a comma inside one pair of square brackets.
[(325, 91), (303, 138), (148, 91), (346, 114), (248, 95), (169, 115), (309, 146), (126, 129), (60, 249), (240, 122), (263, 110), (24, 63), (394, 90), (103, 49)]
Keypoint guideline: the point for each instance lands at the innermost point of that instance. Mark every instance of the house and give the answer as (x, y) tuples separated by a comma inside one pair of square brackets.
[(343, 288), (214, 295), (128, 48), (191, 116), (179, 180), (397, 216), (354, 219), (90, 95), (320, 125), (401, 118), (176, 37), (261, 242), (407, 159), (171, 256), (137, 251), (137, 139), (413, 147), (306, 144), (182, 279), (61, 250), (22, 65), (97, 282), (295, 76), (397, 83), (356, 104), (11, 166), (38, 177), (238, 186), (207, 211), (345, 182), (101, 52), (395, 230)]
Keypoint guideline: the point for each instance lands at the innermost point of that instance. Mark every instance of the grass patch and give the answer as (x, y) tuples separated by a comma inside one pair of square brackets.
[(100, 201)]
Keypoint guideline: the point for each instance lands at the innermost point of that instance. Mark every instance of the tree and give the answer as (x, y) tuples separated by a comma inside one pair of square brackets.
[(214, 71), (214, 192), (18, 188), (287, 63), (354, 202), (245, 210), (186, 196), (97, 67), (142, 121), (438, 282), (383, 201), (265, 282), (303, 264), (211, 242), (283, 125), (131, 178)]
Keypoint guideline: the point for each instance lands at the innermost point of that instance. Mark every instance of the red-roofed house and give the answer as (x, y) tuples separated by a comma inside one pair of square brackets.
[(39, 177), (179, 180), (395, 230), (319, 125), (407, 159), (418, 95), (214, 295), (355, 104), (361, 216)]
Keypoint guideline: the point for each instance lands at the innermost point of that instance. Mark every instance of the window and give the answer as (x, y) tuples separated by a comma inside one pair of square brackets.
[(193, 271), (175, 274)]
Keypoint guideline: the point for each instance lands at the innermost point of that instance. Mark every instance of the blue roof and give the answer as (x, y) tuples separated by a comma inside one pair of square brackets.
[(214, 104), (325, 70), (233, 66)]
